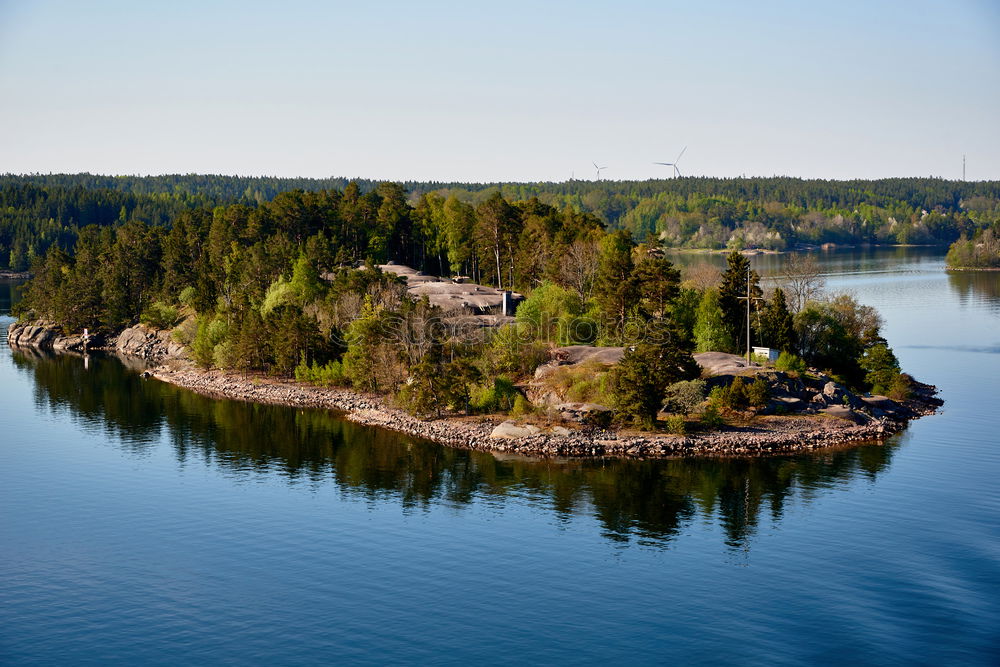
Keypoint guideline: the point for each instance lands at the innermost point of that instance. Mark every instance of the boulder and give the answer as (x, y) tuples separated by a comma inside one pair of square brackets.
[(787, 404), (844, 412), (147, 343), (509, 429), (584, 413), (574, 355)]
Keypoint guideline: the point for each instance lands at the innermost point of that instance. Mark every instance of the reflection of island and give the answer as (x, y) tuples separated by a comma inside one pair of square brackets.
[(643, 501), (8, 294), (975, 284)]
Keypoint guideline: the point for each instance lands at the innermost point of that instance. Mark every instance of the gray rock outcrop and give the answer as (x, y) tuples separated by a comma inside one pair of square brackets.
[(149, 344)]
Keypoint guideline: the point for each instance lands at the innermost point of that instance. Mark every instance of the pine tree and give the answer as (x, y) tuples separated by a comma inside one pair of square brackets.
[(710, 332), (640, 380), (615, 289), (776, 325), (732, 298)]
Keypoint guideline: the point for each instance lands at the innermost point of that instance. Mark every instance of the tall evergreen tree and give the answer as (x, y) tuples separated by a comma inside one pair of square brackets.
[(777, 329), (732, 299), (615, 287), (710, 331)]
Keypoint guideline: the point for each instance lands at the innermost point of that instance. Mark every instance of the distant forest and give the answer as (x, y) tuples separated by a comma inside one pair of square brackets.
[(39, 211)]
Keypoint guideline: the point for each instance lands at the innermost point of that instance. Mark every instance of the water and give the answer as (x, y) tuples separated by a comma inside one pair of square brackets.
[(142, 524)]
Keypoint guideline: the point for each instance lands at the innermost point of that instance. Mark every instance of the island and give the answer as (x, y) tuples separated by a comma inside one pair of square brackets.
[(545, 332), (979, 253)]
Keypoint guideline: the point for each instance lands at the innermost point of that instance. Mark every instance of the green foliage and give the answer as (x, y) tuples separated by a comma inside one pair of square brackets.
[(514, 351), (159, 315), (582, 383), (711, 417), (757, 393), (777, 329), (212, 331), (498, 397), (616, 291), (330, 374), (834, 335), (740, 394), (279, 293), (638, 383), (732, 300), (187, 297), (522, 406), (710, 332), (684, 397), (980, 252), (881, 368), (790, 363), (676, 424), (901, 388), (553, 314)]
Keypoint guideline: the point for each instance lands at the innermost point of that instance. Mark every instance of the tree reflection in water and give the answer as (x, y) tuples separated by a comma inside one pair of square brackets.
[(644, 502)]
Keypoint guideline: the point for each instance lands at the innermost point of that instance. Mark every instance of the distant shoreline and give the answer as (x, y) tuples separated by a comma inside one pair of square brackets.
[(972, 268), (14, 275)]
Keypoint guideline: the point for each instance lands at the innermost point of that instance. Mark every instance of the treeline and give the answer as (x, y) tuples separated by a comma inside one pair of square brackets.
[(40, 210), (290, 287), (35, 217)]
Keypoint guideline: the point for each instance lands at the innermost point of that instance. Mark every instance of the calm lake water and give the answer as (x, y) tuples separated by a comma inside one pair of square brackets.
[(143, 524)]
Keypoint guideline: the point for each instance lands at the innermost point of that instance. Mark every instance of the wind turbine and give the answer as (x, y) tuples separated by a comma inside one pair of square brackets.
[(677, 172), (598, 170)]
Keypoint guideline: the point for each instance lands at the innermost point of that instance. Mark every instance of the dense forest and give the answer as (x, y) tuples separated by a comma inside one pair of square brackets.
[(292, 286), (37, 211)]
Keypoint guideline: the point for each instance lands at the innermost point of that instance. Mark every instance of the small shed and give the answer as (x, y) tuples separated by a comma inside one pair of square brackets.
[(768, 353)]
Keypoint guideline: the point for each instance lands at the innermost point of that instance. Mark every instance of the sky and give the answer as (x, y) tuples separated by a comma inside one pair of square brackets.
[(512, 91)]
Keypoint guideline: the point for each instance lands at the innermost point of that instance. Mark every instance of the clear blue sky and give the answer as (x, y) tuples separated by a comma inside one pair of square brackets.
[(476, 91)]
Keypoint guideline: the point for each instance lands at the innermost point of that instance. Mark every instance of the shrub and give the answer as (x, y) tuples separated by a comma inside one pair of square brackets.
[(684, 396), (185, 332), (159, 315), (729, 397), (187, 297), (498, 398), (881, 367), (522, 406), (511, 351), (790, 363), (757, 393), (330, 374), (711, 418), (584, 383), (211, 332), (900, 389), (676, 424)]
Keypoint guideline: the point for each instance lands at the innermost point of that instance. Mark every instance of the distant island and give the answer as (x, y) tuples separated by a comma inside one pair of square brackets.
[(981, 252), (541, 332)]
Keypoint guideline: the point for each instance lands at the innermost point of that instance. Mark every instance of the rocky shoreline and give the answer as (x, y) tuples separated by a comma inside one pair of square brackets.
[(767, 434), (773, 435)]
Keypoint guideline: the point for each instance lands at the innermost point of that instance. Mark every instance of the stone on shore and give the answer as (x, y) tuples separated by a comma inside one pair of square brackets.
[(509, 429)]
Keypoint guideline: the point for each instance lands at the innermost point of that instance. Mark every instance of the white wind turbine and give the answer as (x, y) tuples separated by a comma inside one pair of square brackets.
[(598, 170), (677, 171)]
